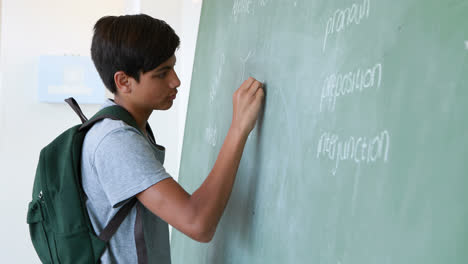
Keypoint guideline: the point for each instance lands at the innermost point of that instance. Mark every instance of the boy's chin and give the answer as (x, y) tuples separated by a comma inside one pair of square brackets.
[(165, 107)]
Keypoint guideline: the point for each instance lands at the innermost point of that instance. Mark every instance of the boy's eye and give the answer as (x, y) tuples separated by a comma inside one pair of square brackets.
[(161, 75)]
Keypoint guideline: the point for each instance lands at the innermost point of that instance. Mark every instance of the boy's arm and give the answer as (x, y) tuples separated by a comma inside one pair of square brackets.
[(197, 215)]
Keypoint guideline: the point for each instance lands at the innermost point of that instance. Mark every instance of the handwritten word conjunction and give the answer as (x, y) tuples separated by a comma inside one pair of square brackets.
[(342, 84), (344, 18), (360, 150)]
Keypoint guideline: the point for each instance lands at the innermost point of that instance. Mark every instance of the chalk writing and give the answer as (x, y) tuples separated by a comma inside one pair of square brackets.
[(247, 7), (215, 83), (360, 150), (263, 2), (339, 84), (211, 136), (241, 7), (244, 63), (344, 18)]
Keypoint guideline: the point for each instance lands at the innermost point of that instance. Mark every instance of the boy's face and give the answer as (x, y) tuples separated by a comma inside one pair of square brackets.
[(156, 89)]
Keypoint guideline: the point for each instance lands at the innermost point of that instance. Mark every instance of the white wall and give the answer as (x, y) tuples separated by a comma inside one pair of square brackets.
[(191, 10), (32, 28)]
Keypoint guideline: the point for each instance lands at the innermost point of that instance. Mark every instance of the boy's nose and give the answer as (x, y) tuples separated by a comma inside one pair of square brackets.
[(175, 81)]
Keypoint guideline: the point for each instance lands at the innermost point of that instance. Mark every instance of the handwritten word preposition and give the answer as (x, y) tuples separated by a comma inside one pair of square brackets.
[(339, 84)]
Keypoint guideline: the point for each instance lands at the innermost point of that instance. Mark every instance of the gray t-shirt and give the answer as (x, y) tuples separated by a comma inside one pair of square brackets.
[(119, 162)]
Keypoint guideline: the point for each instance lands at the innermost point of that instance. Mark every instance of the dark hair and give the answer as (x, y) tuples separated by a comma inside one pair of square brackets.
[(132, 43)]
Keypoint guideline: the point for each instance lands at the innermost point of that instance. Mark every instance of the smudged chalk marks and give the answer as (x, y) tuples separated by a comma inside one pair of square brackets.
[(263, 2), (241, 7), (216, 81), (211, 136)]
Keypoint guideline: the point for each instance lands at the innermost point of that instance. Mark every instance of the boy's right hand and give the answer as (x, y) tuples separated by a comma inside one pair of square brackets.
[(247, 101)]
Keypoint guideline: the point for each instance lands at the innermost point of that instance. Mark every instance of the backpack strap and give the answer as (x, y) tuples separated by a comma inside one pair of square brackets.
[(115, 112), (140, 243), (115, 222), (74, 105)]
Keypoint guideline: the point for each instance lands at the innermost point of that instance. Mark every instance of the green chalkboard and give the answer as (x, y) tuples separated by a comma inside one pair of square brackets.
[(361, 152)]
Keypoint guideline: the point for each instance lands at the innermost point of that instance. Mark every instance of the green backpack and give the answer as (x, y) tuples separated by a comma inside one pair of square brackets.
[(59, 225)]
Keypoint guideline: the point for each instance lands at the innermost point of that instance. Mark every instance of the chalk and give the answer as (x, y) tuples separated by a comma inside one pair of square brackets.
[(466, 44)]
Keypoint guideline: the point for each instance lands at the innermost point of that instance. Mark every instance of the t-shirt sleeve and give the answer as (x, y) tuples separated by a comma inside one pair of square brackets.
[(126, 165)]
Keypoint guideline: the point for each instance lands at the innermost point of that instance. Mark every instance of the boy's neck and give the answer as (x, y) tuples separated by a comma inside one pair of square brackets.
[(140, 115)]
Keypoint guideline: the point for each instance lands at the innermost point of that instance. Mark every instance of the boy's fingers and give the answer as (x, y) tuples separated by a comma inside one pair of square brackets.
[(247, 83), (255, 87), (260, 94)]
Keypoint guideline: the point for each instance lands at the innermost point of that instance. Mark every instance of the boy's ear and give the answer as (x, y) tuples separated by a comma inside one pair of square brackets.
[(122, 82)]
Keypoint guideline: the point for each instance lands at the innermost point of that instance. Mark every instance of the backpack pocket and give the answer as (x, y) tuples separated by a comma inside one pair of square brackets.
[(35, 219), (80, 247)]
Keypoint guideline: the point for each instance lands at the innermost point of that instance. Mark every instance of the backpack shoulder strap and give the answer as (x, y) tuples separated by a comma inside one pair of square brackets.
[(115, 222), (115, 112), (74, 105)]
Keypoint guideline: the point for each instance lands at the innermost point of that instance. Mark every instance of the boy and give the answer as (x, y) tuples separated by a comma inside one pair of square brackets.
[(134, 56)]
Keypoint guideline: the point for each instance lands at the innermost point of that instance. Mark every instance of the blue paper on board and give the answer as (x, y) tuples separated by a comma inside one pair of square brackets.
[(61, 77)]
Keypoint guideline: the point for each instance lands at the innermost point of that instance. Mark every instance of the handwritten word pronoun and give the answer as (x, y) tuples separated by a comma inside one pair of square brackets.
[(344, 18)]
